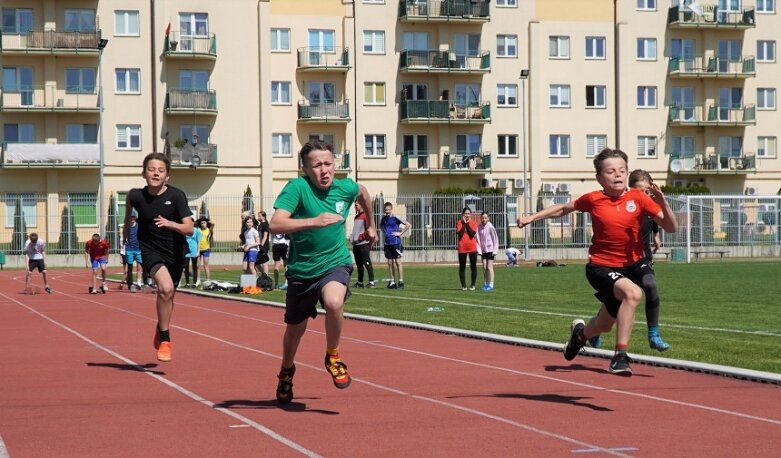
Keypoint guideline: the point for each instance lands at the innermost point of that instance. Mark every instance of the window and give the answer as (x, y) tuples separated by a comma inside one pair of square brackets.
[(766, 6), (468, 95), (193, 26), (767, 147), (80, 80), (507, 3), (468, 145), (646, 146), (19, 133), (646, 5), (595, 47), (79, 20), (29, 209), (646, 49), (558, 146), (595, 96), (194, 133), (507, 45), (81, 133), (374, 93), (646, 96), (373, 42), (507, 95), (194, 80), (322, 92), (565, 220), (681, 147), (766, 51), (766, 98), (128, 81), (321, 40), (280, 145), (128, 136), (417, 41), (374, 1), (280, 40), (374, 145), (559, 95), (126, 23), (508, 145), (280, 92), (17, 20), (558, 47), (729, 146), (595, 144), (84, 207)]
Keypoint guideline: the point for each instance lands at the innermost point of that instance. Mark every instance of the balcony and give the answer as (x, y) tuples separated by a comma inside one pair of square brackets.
[(711, 67), (181, 156), (438, 61), (45, 155), (460, 163), (696, 115), (709, 17), (342, 160), (702, 163), (180, 46), (37, 41), (188, 102), (324, 112), (476, 11), (49, 98), (336, 59), (444, 112)]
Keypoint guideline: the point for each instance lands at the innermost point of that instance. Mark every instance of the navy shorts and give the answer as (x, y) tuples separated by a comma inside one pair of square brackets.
[(303, 295), (603, 279)]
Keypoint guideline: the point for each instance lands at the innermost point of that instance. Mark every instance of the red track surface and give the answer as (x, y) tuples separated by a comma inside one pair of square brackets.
[(78, 377)]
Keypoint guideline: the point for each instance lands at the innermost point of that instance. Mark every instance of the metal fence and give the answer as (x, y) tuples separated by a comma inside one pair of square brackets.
[(724, 225)]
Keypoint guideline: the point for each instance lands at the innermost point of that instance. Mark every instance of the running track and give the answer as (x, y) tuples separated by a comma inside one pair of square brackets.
[(79, 378)]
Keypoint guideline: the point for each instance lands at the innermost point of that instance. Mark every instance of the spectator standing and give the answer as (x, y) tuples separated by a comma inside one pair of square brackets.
[(279, 249), (362, 247), (393, 227), (206, 227), (487, 248), (466, 234)]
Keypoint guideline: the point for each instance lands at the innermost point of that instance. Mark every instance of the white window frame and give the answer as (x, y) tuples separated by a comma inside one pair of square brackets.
[(371, 145), (507, 145), (371, 88), (131, 133), (647, 146), (558, 145), (595, 144), (646, 48), (767, 146), (278, 40), (592, 48), (507, 3), (279, 90), (506, 95), (766, 98), (374, 42), (766, 50), (766, 6), (559, 47), (597, 92), (125, 19), (126, 74), (506, 46), (646, 5), (648, 94), (374, 2), (281, 144), (561, 93)]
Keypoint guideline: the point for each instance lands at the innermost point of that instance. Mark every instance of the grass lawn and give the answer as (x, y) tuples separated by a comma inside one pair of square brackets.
[(714, 312)]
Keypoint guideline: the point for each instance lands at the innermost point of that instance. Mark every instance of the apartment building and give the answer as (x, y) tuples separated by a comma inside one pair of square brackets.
[(415, 95)]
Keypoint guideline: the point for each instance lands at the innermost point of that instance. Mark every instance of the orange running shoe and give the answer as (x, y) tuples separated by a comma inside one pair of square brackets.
[(338, 371), (164, 352)]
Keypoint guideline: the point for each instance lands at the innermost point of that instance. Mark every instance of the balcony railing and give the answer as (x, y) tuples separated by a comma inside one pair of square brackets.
[(50, 98), (342, 160), (50, 41), (29, 155), (444, 111), (177, 44), (183, 155), (709, 16), (186, 101), (713, 163), (715, 115), (319, 58), (427, 162), (712, 67), (324, 111), (445, 10), (438, 61)]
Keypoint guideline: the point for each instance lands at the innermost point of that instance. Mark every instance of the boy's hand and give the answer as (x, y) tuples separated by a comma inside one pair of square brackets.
[(524, 221), (326, 219)]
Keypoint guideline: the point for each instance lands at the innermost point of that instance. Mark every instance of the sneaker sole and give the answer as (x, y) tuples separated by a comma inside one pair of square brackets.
[(621, 372), (572, 328), (658, 348)]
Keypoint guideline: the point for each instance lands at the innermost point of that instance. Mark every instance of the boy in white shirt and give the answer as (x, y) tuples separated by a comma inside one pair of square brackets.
[(35, 250)]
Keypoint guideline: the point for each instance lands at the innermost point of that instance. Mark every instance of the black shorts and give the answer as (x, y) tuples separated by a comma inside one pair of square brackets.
[(393, 251), (487, 256), (603, 279), (153, 260), (303, 295), (262, 256), (33, 264), (279, 251)]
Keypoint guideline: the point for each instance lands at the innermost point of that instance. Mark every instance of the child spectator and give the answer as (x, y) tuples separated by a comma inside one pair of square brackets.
[(487, 248), (393, 227), (96, 256)]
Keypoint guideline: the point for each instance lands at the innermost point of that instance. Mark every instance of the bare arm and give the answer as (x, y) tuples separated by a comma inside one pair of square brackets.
[(554, 211), (128, 212), (283, 223), (666, 218), (364, 200)]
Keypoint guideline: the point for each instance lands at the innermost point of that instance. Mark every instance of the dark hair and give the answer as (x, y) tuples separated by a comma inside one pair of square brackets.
[(387, 204), (486, 214), (33, 234), (313, 145), (639, 175), (465, 209), (157, 157), (608, 153)]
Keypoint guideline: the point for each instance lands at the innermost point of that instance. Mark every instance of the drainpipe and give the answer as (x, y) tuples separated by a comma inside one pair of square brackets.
[(355, 95), (616, 75), (153, 74)]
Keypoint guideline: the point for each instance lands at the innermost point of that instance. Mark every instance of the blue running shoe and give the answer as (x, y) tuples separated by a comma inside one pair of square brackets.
[(655, 342), (596, 341)]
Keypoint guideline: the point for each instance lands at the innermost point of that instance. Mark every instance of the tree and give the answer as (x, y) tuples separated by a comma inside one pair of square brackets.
[(20, 228), (112, 225), (68, 238), (204, 211), (247, 203)]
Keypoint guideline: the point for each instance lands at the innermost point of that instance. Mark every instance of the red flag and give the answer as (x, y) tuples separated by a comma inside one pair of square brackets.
[(168, 29)]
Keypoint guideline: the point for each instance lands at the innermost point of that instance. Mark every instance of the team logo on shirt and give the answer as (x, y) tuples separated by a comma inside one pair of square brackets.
[(339, 207), (630, 206), (167, 202)]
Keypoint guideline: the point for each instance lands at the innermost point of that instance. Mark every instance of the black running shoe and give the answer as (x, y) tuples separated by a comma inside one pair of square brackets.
[(575, 343), (358, 285), (392, 285), (285, 385), (400, 285), (619, 365)]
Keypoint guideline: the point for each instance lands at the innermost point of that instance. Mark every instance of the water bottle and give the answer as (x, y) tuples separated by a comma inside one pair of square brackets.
[(435, 309)]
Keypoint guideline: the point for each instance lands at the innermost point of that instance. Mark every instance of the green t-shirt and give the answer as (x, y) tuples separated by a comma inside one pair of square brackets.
[(313, 252)]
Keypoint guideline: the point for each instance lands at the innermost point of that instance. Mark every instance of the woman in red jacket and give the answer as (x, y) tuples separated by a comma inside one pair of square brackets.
[(466, 232)]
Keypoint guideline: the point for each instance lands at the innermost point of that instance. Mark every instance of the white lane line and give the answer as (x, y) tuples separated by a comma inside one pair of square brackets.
[(3, 449), (195, 397), (617, 449)]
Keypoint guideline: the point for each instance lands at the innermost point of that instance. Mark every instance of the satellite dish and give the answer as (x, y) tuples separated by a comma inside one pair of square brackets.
[(675, 165)]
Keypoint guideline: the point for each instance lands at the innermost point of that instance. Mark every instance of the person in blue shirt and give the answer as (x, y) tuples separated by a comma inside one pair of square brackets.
[(393, 227), (133, 254), (193, 240)]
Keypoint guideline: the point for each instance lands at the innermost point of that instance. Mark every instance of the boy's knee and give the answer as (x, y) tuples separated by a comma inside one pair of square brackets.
[(648, 283)]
